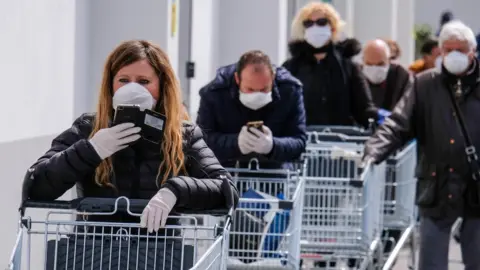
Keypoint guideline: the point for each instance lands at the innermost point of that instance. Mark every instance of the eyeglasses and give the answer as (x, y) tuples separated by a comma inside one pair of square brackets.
[(319, 22)]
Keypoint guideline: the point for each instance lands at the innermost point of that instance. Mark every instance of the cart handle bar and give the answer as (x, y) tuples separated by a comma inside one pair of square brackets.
[(110, 205)]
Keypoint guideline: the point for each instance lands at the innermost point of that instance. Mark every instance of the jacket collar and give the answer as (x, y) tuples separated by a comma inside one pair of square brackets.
[(469, 80)]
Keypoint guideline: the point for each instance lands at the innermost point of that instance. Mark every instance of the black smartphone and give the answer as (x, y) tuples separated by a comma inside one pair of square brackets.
[(152, 126), (126, 114), (255, 124)]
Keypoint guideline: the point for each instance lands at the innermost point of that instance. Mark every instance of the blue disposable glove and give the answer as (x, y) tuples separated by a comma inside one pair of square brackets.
[(382, 114)]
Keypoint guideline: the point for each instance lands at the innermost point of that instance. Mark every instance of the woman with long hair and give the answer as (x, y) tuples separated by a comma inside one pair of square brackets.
[(106, 160)]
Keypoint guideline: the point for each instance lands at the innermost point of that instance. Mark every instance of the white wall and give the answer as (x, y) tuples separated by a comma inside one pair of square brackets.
[(428, 11), (127, 20), (244, 28), (205, 49), (184, 42), (36, 87), (84, 93)]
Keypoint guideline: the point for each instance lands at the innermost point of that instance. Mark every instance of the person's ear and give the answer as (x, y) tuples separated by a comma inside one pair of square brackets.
[(237, 78)]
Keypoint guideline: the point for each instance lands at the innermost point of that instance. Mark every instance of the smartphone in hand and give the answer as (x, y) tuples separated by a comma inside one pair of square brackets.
[(255, 124), (126, 114)]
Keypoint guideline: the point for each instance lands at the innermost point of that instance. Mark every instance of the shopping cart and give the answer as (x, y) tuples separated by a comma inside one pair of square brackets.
[(399, 208), (85, 244), (265, 232), (343, 206)]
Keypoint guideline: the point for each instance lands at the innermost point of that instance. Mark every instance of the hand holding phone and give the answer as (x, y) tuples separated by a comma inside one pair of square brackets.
[(152, 123)]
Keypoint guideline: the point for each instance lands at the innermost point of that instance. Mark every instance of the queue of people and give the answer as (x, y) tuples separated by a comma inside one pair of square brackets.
[(318, 85)]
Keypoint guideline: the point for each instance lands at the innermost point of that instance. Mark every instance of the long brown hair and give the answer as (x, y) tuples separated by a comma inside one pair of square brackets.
[(170, 105)]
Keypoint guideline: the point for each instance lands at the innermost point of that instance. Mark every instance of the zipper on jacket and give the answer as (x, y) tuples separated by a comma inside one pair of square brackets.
[(458, 89)]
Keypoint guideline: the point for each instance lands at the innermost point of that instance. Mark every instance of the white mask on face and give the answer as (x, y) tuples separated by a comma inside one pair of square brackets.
[(133, 94), (317, 36), (376, 74), (456, 62), (255, 100), (438, 63)]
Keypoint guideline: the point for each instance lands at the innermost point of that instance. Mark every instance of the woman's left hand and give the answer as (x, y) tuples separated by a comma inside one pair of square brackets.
[(155, 215)]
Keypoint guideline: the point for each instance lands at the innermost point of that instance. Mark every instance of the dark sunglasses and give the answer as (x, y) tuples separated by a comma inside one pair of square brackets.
[(319, 22)]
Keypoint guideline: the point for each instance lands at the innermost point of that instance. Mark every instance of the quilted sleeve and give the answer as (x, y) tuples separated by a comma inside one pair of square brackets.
[(207, 185)]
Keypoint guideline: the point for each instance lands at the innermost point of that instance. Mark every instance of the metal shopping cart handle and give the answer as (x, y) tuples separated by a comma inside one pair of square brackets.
[(347, 130), (111, 205), (316, 136)]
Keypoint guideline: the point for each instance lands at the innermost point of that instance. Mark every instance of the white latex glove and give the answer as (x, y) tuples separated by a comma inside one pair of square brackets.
[(108, 141), (262, 141), (245, 143), (155, 215), (338, 152)]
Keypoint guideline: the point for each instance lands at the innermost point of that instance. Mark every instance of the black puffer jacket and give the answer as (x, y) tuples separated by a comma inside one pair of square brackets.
[(445, 187), (72, 160), (335, 91)]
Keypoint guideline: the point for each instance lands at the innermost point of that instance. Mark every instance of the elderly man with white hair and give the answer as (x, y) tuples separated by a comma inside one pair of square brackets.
[(441, 107), (388, 81)]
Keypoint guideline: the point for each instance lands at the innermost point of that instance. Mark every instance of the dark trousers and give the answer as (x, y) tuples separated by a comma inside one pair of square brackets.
[(435, 241)]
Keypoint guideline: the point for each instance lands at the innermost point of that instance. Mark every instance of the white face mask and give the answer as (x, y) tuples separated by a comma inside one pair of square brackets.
[(376, 74), (317, 36), (438, 63), (456, 62), (255, 100), (133, 94)]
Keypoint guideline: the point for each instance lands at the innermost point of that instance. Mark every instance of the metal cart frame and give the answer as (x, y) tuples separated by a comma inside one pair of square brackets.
[(274, 249), (343, 208), (400, 184), (85, 244)]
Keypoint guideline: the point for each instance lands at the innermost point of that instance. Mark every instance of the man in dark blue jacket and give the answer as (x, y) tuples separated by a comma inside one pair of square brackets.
[(253, 90)]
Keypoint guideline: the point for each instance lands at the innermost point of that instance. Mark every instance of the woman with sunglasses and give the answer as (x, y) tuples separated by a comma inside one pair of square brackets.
[(335, 91)]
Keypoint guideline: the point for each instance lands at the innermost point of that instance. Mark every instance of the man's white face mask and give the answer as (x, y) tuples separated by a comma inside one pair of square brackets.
[(376, 74), (255, 100), (133, 94), (456, 62)]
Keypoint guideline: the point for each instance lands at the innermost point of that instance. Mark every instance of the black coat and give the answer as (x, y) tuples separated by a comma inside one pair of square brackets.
[(335, 91), (221, 116), (71, 160), (425, 112), (388, 93)]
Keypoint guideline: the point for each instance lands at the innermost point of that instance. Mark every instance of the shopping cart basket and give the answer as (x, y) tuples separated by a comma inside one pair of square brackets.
[(265, 232), (399, 207), (343, 208), (83, 244)]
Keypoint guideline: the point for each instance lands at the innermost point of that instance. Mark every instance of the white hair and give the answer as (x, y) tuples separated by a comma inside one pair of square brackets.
[(456, 30)]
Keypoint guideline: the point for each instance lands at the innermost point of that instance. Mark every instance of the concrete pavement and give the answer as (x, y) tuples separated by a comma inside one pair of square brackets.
[(455, 258)]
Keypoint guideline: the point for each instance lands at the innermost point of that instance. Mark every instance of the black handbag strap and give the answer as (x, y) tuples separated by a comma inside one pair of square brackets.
[(470, 149)]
